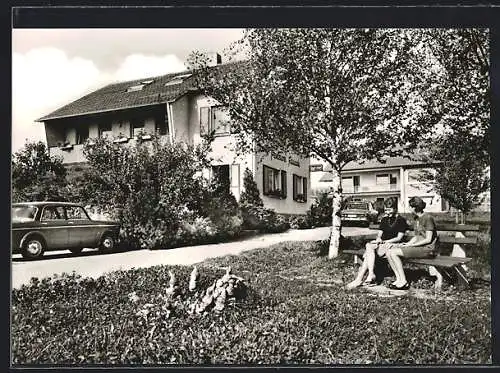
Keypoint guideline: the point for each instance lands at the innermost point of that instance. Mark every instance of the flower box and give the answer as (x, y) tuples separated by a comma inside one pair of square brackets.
[(300, 198), (275, 194), (143, 137), (66, 146), (120, 140)]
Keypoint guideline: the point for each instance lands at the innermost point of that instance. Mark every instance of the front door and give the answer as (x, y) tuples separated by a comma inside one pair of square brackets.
[(221, 174)]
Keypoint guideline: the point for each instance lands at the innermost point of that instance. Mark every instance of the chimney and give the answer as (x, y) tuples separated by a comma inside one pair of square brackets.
[(214, 59)]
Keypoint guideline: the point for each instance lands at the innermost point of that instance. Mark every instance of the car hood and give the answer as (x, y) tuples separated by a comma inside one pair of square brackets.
[(24, 224)]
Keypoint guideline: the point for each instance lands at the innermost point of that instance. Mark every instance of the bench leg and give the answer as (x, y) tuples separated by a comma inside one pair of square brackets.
[(458, 251), (358, 260), (433, 271), (461, 277)]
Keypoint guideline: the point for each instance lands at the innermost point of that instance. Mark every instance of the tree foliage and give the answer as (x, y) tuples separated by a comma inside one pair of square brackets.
[(36, 175), (462, 175), (339, 94), (462, 144), (250, 194), (463, 56)]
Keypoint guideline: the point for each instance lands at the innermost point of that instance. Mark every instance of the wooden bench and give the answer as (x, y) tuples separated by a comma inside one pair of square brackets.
[(450, 267)]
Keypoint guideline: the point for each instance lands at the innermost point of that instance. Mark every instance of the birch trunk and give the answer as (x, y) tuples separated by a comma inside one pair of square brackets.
[(333, 250)]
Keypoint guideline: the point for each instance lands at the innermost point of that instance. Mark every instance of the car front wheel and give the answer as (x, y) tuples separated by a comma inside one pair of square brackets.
[(107, 243), (33, 248)]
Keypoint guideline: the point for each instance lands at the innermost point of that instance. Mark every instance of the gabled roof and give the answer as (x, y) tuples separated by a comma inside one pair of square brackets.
[(391, 162), (115, 96)]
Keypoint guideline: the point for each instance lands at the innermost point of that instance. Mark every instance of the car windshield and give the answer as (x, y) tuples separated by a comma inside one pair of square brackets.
[(357, 206), (23, 213)]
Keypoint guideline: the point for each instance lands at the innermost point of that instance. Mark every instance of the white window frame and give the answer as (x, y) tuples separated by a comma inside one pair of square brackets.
[(299, 188), (276, 187), (211, 110), (388, 176)]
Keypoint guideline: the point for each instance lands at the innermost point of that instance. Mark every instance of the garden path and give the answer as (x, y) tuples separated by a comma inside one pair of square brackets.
[(90, 263)]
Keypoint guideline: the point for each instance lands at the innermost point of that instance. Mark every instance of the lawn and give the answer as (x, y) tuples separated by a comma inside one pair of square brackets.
[(296, 311)]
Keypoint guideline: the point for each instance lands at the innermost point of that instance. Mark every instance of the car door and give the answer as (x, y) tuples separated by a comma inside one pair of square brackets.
[(54, 227), (82, 231)]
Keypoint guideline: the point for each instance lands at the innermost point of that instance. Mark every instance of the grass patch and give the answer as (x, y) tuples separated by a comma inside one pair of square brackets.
[(296, 312)]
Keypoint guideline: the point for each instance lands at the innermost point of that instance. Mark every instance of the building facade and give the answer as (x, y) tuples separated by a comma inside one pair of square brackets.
[(170, 107), (374, 181)]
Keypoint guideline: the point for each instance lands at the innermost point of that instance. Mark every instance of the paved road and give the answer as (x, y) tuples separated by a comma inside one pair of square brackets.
[(91, 263)]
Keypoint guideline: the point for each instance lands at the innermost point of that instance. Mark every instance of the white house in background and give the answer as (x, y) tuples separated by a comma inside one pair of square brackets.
[(173, 108), (397, 177)]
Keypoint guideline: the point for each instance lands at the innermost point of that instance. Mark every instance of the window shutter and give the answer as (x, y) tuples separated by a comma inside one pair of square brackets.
[(235, 175), (304, 180), (294, 187), (265, 188), (283, 184), (204, 120)]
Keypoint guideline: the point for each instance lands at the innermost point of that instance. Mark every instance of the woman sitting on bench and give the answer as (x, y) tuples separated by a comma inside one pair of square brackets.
[(422, 245), (391, 230)]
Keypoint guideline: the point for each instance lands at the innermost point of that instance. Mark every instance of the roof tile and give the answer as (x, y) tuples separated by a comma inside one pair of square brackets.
[(115, 97)]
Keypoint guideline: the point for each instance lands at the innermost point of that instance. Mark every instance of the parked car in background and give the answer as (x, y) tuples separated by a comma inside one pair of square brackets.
[(361, 212), (41, 226)]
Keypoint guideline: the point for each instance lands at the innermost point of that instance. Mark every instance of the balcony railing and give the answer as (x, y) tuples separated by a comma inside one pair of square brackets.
[(370, 188)]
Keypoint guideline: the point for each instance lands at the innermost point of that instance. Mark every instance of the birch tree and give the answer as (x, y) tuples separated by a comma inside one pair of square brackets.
[(339, 94)]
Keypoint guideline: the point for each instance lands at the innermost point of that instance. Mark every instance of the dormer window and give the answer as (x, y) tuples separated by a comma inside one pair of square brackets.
[(178, 79), (135, 88), (139, 86)]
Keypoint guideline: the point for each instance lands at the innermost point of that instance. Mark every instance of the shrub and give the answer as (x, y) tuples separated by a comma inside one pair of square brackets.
[(320, 212), (221, 207), (250, 194), (255, 216), (300, 222), (263, 219), (147, 185)]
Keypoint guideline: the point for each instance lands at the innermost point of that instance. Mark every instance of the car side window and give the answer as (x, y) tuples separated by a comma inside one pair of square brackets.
[(76, 213), (53, 213)]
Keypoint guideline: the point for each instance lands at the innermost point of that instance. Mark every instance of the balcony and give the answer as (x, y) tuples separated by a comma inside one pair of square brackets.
[(74, 153), (371, 188)]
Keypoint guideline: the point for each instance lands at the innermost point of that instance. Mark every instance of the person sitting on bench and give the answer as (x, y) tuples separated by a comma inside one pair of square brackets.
[(422, 245), (392, 229)]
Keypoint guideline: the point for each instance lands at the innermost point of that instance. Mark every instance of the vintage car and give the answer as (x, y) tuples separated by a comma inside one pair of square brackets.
[(40, 226), (359, 212)]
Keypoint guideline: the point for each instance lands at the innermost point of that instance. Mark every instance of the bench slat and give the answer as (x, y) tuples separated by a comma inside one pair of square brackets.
[(439, 261), (442, 238), (458, 240), (446, 227)]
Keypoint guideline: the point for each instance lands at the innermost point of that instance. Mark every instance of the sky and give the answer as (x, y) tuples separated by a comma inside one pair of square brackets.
[(53, 67)]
